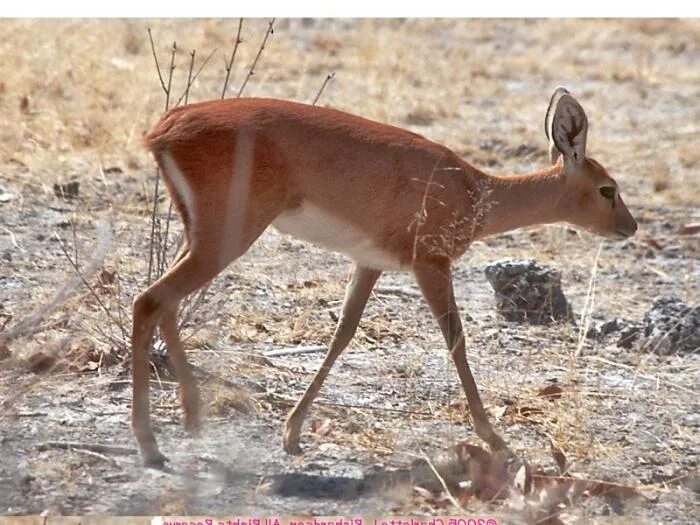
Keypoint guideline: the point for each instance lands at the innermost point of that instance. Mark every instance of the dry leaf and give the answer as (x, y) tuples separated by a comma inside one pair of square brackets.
[(689, 229), (322, 429), (532, 494), (40, 362), (487, 472), (650, 241), (526, 411), (552, 391), (106, 278)]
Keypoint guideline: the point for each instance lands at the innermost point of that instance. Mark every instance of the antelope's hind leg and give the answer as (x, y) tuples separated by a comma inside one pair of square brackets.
[(158, 304)]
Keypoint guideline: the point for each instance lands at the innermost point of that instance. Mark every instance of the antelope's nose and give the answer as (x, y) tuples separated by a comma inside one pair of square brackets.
[(629, 229)]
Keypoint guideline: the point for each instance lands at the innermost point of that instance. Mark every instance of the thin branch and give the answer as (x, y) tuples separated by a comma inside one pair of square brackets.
[(329, 77), (92, 323), (112, 461), (270, 30), (296, 350), (155, 59), (85, 281), (154, 211), (193, 53), (32, 323), (92, 447), (229, 64), (163, 244), (291, 402), (156, 191), (75, 242), (442, 482), (397, 290), (170, 76), (192, 304), (194, 78)]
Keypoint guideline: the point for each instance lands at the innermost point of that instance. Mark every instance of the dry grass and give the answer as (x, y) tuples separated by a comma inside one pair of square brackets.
[(79, 95)]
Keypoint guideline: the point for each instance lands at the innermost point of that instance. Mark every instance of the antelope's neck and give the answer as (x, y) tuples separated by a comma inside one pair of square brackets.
[(517, 201)]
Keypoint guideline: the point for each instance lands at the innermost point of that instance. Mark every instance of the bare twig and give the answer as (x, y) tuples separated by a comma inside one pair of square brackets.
[(92, 447), (329, 77), (163, 243), (153, 226), (292, 402), (192, 80), (121, 314), (589, 304), (32, 322), (107, 459), (13, 239), (295, 351), (251, 72), (75, 242), (155, 59), (397, 290), (192, 304), (156, 192), (442, 482), (85, 282), (170, 76), (193, 53), (229, 64)]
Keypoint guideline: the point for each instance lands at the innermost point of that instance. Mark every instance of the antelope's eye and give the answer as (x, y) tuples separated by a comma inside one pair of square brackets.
[(608, 192)]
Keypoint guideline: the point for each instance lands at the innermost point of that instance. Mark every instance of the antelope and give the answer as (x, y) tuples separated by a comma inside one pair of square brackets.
[(386, 197)]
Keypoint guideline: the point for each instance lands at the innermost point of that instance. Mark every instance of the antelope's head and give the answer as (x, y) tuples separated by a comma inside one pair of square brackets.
[(592, 198)]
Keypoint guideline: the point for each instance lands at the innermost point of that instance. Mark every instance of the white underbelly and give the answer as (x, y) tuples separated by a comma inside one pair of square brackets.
[(314, 224)]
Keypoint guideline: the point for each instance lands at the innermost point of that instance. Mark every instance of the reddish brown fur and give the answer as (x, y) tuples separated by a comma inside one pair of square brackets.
[(246, 161)]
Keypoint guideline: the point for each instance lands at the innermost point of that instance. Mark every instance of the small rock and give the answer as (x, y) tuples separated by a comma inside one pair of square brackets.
[(528, 292), (629, 335), (611, 325), (593, 332), (671, 327), (69, 190), (600, 329)]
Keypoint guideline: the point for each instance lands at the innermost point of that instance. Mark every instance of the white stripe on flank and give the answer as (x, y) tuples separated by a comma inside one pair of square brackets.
[(177, 178), (315, 224)]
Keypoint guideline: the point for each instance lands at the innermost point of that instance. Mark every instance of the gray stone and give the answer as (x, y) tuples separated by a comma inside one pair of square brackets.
[(629, 335), (598, 330), (528, 292), (671, 327)]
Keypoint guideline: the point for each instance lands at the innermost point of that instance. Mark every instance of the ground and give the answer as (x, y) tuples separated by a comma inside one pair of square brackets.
[(77, 95)]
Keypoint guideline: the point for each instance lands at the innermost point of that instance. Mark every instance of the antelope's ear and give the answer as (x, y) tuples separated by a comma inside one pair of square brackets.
[(566, 127)]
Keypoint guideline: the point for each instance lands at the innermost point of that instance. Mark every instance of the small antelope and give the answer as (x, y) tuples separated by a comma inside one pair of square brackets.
[(388, 198)]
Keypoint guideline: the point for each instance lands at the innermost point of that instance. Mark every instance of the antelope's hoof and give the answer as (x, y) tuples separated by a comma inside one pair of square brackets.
[(291, 440), (154, 459)]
